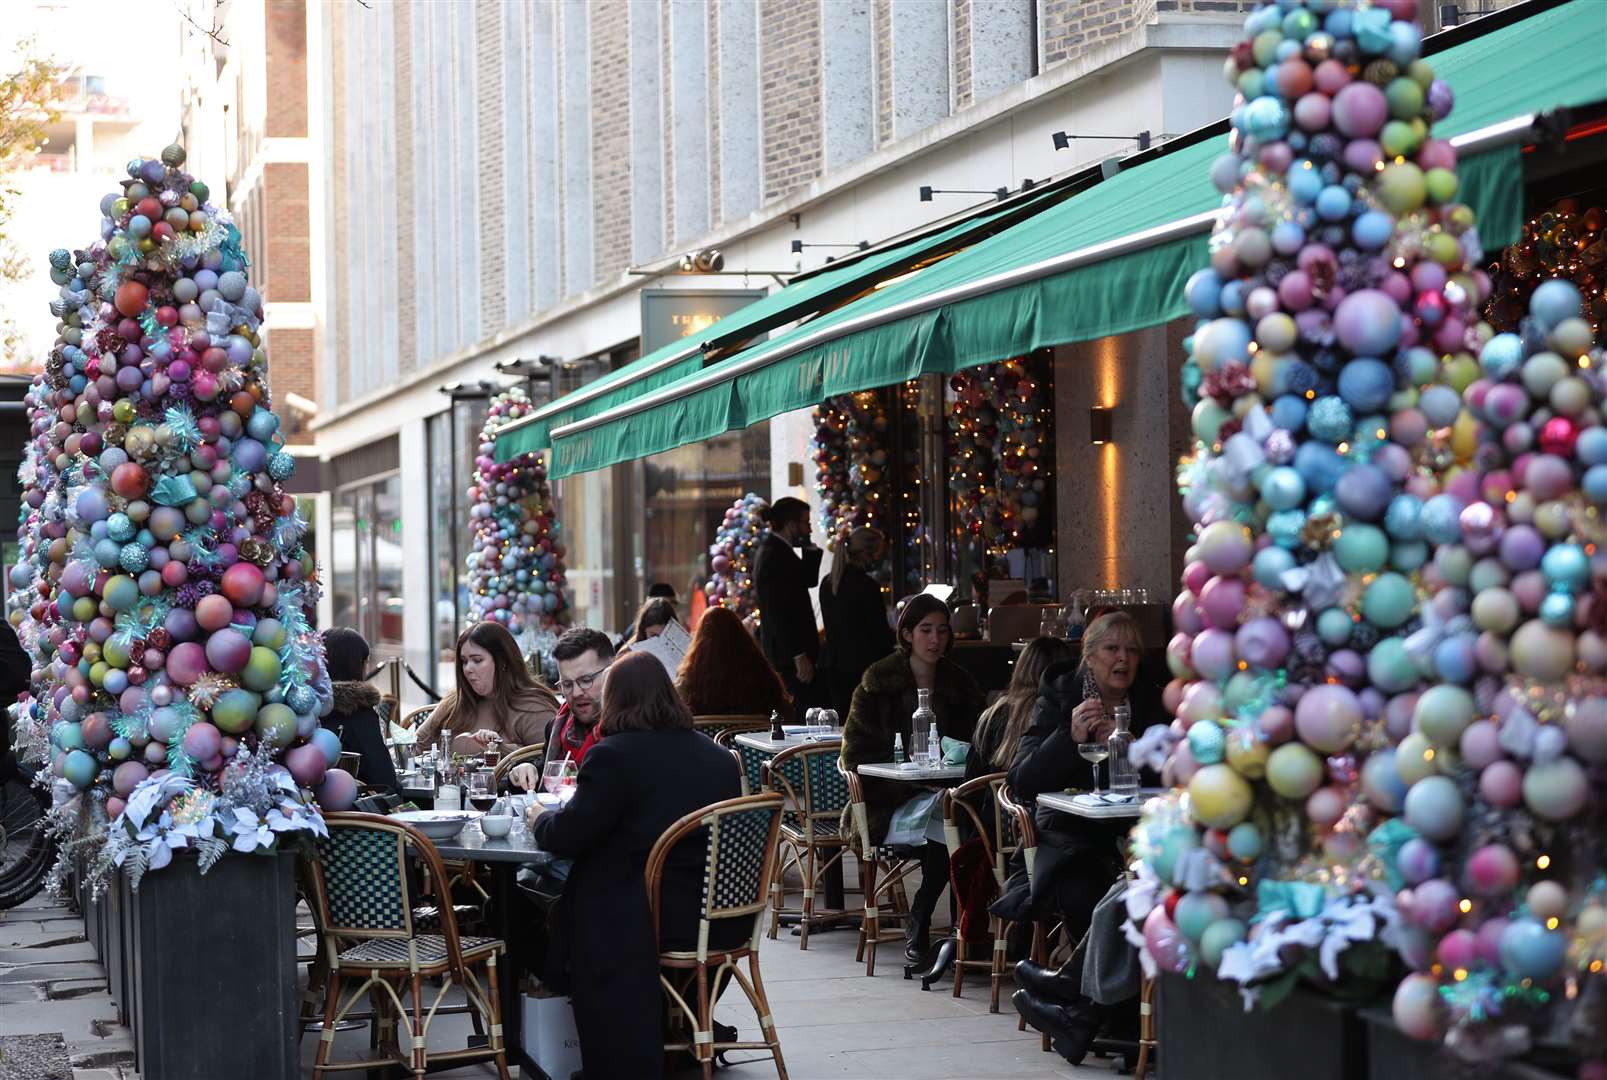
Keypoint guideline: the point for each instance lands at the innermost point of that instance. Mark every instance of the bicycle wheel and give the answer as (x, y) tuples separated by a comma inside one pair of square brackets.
[(26, 851)]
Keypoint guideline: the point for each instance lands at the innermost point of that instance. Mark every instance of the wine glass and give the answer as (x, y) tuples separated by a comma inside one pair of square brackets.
[(1094, 753), (554, 774), (812, 717), (566, 786), (481, 797), (828, 720)]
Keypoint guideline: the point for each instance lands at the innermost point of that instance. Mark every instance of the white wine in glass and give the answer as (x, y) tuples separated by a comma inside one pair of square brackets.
[(1094, 753)]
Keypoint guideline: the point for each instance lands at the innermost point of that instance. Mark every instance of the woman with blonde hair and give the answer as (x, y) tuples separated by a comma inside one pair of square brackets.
[(854, 613)]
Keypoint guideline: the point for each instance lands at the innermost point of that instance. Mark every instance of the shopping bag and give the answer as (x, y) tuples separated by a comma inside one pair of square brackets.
[(913, 821)]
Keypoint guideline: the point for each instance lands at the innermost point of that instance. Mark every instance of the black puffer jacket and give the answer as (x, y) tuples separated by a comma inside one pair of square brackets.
[(356, 721)]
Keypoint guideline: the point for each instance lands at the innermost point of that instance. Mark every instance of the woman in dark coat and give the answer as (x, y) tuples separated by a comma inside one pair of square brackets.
[(356, 715), (649, 770), (882, 707), (855, 616), (1077, 858)]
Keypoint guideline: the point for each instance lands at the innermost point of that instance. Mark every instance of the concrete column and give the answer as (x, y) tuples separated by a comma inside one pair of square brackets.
[(848, 81), (740, 125), (417, 627), (920, 65), (689, 111), (578, 255), (647, 132), (1001, 45), (545, 188)]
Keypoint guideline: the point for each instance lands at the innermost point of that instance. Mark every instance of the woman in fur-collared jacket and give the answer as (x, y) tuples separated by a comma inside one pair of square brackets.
[(356, 714)]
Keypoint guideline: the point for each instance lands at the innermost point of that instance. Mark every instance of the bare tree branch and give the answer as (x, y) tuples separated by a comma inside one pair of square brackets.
[(215, 32)]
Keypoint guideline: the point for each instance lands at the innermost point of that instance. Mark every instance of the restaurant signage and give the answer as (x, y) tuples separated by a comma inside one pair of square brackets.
[(669, 315)]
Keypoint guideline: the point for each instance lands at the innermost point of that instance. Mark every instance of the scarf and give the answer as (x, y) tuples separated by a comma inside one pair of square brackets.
[(571, 739)]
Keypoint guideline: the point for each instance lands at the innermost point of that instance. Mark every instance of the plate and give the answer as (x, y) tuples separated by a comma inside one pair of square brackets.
[(438, 824)]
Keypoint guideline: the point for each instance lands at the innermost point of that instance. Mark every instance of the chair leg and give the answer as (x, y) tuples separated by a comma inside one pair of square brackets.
[(767, 1025), (495, 1019), (778, 896), (867, 883), (997, 962), (326, 1037), (704, 1038), (421, 1058), (809, 876), (959, 957)]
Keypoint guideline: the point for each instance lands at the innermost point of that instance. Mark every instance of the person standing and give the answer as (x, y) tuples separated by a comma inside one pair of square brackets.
[(782, 579), (854, 614)]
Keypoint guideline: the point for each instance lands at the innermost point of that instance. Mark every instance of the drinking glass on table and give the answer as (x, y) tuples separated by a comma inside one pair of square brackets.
[(1094, 753), (558, 774), (828, 720), (481, 797)]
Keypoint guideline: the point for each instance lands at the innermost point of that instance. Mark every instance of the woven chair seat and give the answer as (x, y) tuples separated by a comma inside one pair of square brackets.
[(428, 918), (431, 948), (824, 829)]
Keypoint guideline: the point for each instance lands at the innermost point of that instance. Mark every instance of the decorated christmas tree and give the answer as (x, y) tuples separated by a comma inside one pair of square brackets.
[(732, 555), (516, 563), (1390, 653), (163, 589)]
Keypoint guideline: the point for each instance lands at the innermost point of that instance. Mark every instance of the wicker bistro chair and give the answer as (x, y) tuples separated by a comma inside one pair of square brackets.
[(1027, 832), (365, 915), (1000, 842), (525, 755), (740, 862), (714, 725), (413, 718), (882, 875), (812, 839)]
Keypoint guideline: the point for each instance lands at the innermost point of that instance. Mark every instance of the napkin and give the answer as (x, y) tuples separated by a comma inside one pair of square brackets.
[(954, 751), (402, 736)]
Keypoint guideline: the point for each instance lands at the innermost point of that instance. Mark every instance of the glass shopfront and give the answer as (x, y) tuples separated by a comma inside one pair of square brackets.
[(367, 561)]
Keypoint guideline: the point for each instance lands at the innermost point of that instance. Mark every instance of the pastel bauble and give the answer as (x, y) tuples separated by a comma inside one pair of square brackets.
[(1434, 807), (307, 764), (1220, 797), (1492, 870), (338, 790), (1218, 937), (1586, 725), (1417, 1009), (1530, 951), (276, 725), (1541, 652), (329, 743), (1443, 713), (1381, 783), (1555, 790), (1501, 784), (1547, 900), (227, 651), (1328, 718), (1293, 771), (214, 612)]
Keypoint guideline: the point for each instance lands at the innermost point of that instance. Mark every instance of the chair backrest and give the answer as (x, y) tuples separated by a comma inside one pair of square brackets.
[(753, 763), (1026, 829), (1000, 839), (415, 717), (350, 761), (360, 881), (522, 756), (808, 776), (714, 723), (856, 800), (739, 861)]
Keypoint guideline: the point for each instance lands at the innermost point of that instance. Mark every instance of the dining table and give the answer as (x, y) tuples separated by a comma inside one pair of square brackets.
[(1096, 806), (910, 773), (503, 857)]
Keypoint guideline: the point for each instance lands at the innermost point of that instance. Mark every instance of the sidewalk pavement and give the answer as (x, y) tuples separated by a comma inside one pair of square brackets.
[(57, 1022)]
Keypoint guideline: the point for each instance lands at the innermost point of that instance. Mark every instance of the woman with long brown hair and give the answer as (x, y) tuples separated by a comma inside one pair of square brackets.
[(999, 730), (497, 704), (649, 770), (725, 673), (651, 619)]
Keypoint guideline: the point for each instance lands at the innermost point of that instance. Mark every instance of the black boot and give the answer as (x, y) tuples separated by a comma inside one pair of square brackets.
[(1058, 985), (916, 945), (1071, 1031)]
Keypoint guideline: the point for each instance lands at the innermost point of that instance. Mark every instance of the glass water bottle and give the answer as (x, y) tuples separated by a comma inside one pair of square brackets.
[(1123, 774)]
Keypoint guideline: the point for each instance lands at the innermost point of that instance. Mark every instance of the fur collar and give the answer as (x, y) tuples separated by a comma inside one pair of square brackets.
[(352, 696), (892, 675)]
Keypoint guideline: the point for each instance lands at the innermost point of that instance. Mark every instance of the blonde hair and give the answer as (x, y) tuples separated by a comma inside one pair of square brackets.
[(1109, 625), (860, 548)]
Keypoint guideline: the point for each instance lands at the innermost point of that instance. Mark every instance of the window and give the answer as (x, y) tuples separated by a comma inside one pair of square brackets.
[(367, 585)]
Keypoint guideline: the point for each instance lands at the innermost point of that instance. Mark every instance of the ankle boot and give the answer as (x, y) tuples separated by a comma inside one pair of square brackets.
[(916, 945), (1058, 985), (1071, 1031)]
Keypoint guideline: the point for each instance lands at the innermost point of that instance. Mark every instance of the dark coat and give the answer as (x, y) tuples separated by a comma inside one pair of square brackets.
[(632, 786), (857, 635), (356, 720), (15, 671), (883, 705), (1047, 760), (782, 580)]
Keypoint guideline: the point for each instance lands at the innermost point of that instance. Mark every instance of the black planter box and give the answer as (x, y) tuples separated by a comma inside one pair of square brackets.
[(212, 970), (1392, 1055), (1205, 1034), (115, 956)]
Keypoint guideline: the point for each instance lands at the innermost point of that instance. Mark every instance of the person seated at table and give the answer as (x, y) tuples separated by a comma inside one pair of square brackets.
[(724, 673), (583, 656), (497, 704), (882, 707), (1077, 858), (355, 717), (651, 619), (649, 769), (854, 615)]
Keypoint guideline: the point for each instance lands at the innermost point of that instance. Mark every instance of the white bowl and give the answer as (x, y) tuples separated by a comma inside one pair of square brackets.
[(496, 826), (438, 824)]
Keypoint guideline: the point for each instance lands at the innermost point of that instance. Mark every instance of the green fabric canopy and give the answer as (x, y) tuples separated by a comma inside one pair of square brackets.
[(1549, 60), (803, 296)]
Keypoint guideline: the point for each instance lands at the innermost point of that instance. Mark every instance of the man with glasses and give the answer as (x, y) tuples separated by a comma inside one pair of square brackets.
[(583, 656)]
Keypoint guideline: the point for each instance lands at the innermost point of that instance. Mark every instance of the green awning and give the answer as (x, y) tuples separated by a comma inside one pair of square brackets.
[(1107, 261), (805, 295)]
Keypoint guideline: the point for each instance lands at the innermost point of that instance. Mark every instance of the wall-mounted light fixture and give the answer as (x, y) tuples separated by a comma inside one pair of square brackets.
[(798, 246), (1063, 139), (927, 192), (1099, 425)]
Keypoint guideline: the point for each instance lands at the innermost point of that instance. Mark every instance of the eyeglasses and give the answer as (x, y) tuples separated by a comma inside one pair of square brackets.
[(583, 682)]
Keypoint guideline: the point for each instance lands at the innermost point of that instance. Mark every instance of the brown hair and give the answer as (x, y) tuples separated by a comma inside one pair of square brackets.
[(724, 673), (510, 692), (658, 611), (638, 696), (1014, 711)]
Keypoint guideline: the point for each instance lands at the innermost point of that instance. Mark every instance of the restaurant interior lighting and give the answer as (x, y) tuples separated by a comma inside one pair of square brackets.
[(1099, 425)]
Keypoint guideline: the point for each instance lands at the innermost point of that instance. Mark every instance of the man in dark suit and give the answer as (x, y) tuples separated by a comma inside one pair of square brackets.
[(782, 578), (15, 670)]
